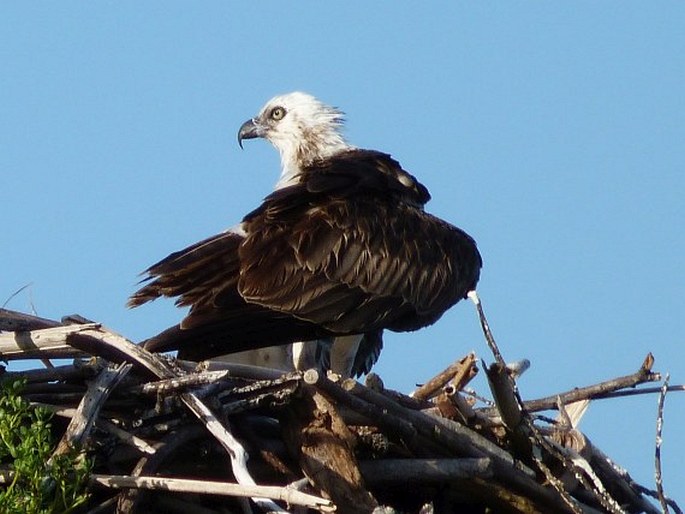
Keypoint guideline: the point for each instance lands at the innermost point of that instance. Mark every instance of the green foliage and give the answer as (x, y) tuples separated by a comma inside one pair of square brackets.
[(37, 484)]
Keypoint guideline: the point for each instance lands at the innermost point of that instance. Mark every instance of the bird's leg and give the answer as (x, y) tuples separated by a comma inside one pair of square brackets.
[(343, 354)]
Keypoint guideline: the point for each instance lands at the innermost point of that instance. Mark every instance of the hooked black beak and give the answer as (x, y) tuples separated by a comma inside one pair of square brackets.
[(249, 130)]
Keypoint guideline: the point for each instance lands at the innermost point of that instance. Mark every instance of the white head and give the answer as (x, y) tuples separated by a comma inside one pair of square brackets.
[(302, 128)]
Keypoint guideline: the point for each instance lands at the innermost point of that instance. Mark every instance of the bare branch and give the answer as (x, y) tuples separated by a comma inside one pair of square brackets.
[(290, 496), (459, 372), (657, 448)]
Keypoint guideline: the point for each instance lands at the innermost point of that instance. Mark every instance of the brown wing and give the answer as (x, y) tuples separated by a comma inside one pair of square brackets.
[(352, 250), (195, 273), (359, 264)]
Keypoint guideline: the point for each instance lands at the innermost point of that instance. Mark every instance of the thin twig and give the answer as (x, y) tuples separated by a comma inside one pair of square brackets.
[(636, 392), (489, 338), (657, 449), (653, 494), (18, 291)]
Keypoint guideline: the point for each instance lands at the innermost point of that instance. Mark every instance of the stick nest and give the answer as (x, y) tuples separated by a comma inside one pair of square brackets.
[(182, 437)]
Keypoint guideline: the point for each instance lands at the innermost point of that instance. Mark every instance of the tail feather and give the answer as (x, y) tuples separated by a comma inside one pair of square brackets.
[(242, 329), (192, 272)]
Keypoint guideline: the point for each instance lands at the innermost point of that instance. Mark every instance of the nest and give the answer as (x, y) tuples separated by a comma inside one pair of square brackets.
[(183, 437)]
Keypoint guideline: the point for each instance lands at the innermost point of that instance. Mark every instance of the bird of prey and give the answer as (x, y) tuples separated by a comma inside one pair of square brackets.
[(341, 250)]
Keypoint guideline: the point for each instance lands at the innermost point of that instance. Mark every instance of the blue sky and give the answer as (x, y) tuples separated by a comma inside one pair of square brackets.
[(552, 132)]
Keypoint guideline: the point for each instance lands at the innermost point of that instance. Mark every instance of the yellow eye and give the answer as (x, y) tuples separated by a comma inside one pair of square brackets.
[(277, 113)]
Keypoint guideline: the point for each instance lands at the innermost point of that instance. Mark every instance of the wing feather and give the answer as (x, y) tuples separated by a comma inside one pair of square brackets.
[(189, 273)]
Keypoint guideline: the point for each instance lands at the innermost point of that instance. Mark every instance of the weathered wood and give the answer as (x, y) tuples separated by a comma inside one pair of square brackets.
[(235, 370), (415, 471), (12, 321), (48, 342), (84, 418), (69, 372), (324, 446), (136, 442), (289, 496), (459, 373)]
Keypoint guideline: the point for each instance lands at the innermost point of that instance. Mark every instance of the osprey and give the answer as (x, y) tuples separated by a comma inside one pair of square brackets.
[(341, 249)]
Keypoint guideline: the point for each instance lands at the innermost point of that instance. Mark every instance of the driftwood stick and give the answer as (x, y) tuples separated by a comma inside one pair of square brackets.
[(324, 446), (235, 450), (82, 422), (375, 383), (508, 404), (452, 405), (13, 321), (461, 371), (416, 471), (642, 390), (128, 438), (67, 372), (109, 345), (570, 502), (583, 472), (234, 369), (522, 430), (505, 395), (644, 374), (172, 385), (290, 496), (103, 424), (276, 392), (47, 342)]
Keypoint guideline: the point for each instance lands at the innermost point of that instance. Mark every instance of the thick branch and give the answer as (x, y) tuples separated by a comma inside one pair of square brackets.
[(12, 321)]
